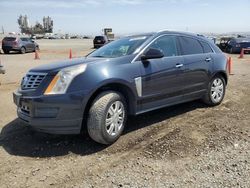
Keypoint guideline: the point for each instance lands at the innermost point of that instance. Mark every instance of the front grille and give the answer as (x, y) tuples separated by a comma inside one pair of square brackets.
[(32, 80)]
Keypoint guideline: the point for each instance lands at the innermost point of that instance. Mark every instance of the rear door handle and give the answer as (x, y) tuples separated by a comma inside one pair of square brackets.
[(208, 59), (179, 65)]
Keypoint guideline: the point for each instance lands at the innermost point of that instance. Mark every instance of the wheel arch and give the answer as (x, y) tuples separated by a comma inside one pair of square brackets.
[(122, 88), (223, 74)]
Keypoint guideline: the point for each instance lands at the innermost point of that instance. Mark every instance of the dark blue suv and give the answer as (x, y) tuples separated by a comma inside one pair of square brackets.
[(235, 45), (129, 76)]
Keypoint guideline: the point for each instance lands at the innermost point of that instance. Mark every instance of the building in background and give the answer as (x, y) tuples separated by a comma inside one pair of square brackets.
[(38, 28)]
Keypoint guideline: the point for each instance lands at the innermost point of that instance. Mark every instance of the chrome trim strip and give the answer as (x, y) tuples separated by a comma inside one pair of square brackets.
[(138, 84), (169, 34), (146, 48), (36, 73), (163, 36)]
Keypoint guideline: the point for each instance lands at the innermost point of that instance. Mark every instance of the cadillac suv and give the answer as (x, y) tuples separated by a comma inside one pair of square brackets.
[(130, 76)]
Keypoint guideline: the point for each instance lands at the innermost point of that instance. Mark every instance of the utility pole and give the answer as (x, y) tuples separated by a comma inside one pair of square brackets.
[(2, 30)]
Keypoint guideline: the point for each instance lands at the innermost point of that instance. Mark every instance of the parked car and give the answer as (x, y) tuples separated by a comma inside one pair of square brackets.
[(22, 44), (129, 76), (100, 41), (235, 45), (223, 45)]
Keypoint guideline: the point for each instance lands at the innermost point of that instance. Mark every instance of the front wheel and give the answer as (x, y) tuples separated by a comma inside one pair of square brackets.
[(107, 117), (22, 50), (216, 91), (231, 51)]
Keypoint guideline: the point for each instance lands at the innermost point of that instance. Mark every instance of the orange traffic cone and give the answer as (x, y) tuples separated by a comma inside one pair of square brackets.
[(36, 55), (70, 53), (230, 62), (242, 53)]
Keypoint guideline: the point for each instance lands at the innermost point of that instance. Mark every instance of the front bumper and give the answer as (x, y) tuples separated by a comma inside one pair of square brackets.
[(55, 114), (99, 44)]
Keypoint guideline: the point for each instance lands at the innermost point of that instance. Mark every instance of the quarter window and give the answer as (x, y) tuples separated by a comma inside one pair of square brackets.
[(190, 46), (166, 44)]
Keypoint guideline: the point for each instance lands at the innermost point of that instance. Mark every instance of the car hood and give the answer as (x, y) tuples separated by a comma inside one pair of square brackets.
[(53, 68)]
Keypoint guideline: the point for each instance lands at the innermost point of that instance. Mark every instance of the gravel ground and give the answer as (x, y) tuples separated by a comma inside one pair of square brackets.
[(188, 145)]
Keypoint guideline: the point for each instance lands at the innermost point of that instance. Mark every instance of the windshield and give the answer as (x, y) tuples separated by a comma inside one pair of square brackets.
[(121, 47)]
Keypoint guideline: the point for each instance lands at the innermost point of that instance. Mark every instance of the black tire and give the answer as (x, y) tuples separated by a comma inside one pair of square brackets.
[(6, 51), (208, 98), (22, 50), (98, 114), (231, 51)]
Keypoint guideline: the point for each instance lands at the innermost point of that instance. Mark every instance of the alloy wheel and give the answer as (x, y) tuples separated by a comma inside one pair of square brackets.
[(217, 90), (115, 118)]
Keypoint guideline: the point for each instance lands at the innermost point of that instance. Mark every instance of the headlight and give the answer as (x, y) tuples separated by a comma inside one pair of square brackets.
[(62, 80)]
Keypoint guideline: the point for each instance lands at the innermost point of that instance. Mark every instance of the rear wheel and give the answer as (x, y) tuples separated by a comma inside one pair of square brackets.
[(22, 50), (6, 51), (107, 117), (216, 91)]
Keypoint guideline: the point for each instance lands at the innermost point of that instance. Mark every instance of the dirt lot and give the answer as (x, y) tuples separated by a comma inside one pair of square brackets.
[(188, 145)]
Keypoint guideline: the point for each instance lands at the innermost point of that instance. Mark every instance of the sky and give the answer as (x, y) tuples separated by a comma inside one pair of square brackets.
[(89, 17)]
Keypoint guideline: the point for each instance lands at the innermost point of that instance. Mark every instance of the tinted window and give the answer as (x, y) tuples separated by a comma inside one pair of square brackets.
[(166, 44), (206, 47), (9, 38), (24, 39), (99, 38), (190, 46)]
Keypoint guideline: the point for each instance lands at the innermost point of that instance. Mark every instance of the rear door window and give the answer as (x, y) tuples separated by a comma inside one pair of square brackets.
[(190, 46), (167, 45), (206, 47)]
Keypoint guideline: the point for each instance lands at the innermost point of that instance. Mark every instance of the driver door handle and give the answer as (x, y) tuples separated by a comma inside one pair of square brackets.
[(179, 65), (208, 59)]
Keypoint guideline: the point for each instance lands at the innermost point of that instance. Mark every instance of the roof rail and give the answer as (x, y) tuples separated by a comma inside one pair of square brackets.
[(162, 30), (200, 35)]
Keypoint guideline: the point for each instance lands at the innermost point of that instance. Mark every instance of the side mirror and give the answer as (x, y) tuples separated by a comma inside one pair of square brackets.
[(152, 53)]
